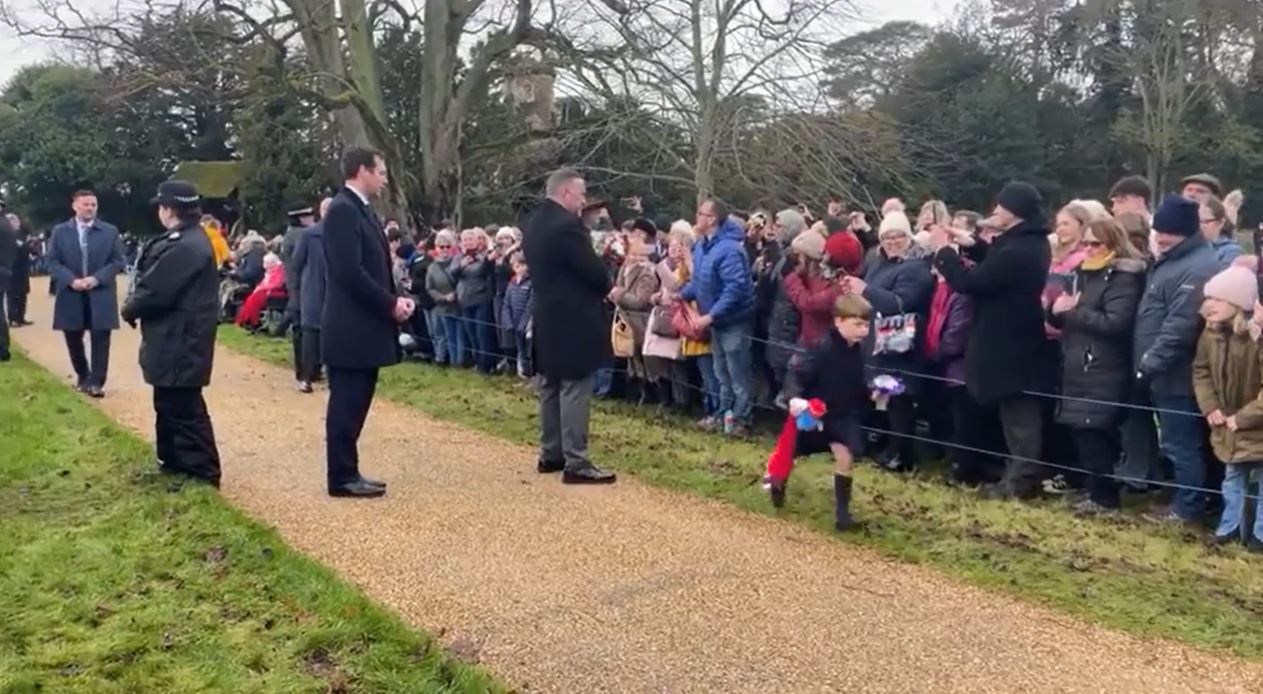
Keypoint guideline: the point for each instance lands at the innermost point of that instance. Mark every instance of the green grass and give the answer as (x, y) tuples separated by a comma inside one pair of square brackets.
[(116, 579), (1123, 573)]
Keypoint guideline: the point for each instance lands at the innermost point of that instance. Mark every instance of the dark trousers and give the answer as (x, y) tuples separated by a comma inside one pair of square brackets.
[(4, 321), (901, 414), (350, 396), (185, 437), (1098, 454), (17, 307), (306, 353), (89, 374), (564, 408), (978, 437), (1023, 423)]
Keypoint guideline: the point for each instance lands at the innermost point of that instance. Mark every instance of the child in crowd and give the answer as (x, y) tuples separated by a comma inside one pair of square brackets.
[(833, 372), (519, 306), (1228, 380)]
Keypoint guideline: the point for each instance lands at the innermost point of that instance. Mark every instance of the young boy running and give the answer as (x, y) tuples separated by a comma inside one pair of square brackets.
[(833, 373)]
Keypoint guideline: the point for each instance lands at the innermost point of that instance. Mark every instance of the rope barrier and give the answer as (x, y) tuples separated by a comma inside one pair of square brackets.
[(929, 377), (949, 444)]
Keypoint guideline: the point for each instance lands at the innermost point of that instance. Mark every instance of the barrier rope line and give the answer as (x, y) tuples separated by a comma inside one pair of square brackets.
[(949, 444), (929, 377)]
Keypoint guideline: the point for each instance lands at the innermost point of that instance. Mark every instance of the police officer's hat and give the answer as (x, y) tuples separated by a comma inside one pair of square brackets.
[(176, 194), (299, 210)]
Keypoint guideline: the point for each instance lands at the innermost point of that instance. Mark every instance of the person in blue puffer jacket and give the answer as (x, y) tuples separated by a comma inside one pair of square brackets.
[(724, 291)]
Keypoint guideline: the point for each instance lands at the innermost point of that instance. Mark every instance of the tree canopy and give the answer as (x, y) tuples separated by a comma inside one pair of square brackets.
[(762, 104)]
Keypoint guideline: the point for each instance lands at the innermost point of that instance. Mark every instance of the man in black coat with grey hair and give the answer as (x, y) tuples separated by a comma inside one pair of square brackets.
[(570, 334)]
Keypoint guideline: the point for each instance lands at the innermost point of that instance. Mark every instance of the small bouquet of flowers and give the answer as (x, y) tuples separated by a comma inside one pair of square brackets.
[(884, 388), (804, 415)]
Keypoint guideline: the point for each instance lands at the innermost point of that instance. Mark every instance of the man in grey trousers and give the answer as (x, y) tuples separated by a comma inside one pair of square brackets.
[(570, 337)]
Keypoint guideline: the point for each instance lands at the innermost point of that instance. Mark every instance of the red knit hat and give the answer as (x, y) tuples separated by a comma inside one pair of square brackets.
[(844, 251)]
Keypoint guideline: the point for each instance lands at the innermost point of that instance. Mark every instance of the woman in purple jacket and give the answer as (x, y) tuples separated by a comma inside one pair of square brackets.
[(952, 409)]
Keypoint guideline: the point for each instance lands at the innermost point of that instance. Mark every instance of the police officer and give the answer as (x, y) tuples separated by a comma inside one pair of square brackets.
[(175, 298), (301, 218)]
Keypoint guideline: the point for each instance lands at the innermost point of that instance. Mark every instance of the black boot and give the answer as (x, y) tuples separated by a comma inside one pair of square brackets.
[(663, 390), (842, 502)]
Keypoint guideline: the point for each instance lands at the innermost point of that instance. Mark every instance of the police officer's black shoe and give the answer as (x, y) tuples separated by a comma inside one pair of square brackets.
[(373, 482), (95, 391)]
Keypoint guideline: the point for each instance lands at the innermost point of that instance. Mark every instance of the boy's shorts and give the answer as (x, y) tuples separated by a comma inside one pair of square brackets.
[(843, 430)]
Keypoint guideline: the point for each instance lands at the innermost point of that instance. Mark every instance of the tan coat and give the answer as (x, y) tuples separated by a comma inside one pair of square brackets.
[(639, 281), (1228, 376)]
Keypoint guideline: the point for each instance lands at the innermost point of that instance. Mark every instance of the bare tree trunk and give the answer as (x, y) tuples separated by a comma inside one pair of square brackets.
[(319, 29)]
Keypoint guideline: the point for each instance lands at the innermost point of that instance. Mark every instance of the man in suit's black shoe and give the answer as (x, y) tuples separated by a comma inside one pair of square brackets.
[(360, 489), (545, 467), (373, 482), (589, 474)]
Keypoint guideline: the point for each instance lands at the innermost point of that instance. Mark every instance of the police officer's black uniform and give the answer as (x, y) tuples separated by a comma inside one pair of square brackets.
[(175, 297)]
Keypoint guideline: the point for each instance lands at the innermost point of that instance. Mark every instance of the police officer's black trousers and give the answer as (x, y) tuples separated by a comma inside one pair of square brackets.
[(186, 440)]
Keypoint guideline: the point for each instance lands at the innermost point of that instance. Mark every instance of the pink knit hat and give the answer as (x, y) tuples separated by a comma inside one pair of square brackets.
[(1238, 284)]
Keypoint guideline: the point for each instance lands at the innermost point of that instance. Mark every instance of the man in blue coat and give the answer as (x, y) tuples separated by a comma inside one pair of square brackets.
[(85, 254), (1168, 324), (360, 320), (724, 291)]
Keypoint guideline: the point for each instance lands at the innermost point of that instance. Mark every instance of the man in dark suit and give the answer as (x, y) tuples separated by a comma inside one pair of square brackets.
[(360, 322), (571, 339), (85, 254)]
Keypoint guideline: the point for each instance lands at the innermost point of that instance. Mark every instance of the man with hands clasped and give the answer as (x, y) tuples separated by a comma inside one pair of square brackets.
[(362, 313), (85, 254)]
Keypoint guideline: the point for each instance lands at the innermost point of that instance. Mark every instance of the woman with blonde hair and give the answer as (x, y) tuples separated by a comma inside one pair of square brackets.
[(1067, 252), (932, 212), (1096, 326), (680, 243)]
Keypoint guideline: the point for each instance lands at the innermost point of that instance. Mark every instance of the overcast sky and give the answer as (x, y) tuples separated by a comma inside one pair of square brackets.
[(16, 52)]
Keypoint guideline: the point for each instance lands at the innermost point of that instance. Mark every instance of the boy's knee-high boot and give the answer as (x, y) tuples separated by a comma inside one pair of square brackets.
[(842, 502)]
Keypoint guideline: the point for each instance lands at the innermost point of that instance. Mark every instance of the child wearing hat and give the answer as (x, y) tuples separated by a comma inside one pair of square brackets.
[(1228, 380)]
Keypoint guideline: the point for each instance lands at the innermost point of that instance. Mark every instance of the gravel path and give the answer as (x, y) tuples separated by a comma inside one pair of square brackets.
[(629, 588)]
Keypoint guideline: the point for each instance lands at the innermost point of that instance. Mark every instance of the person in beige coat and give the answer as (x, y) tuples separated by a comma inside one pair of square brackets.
[(638, 281)]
